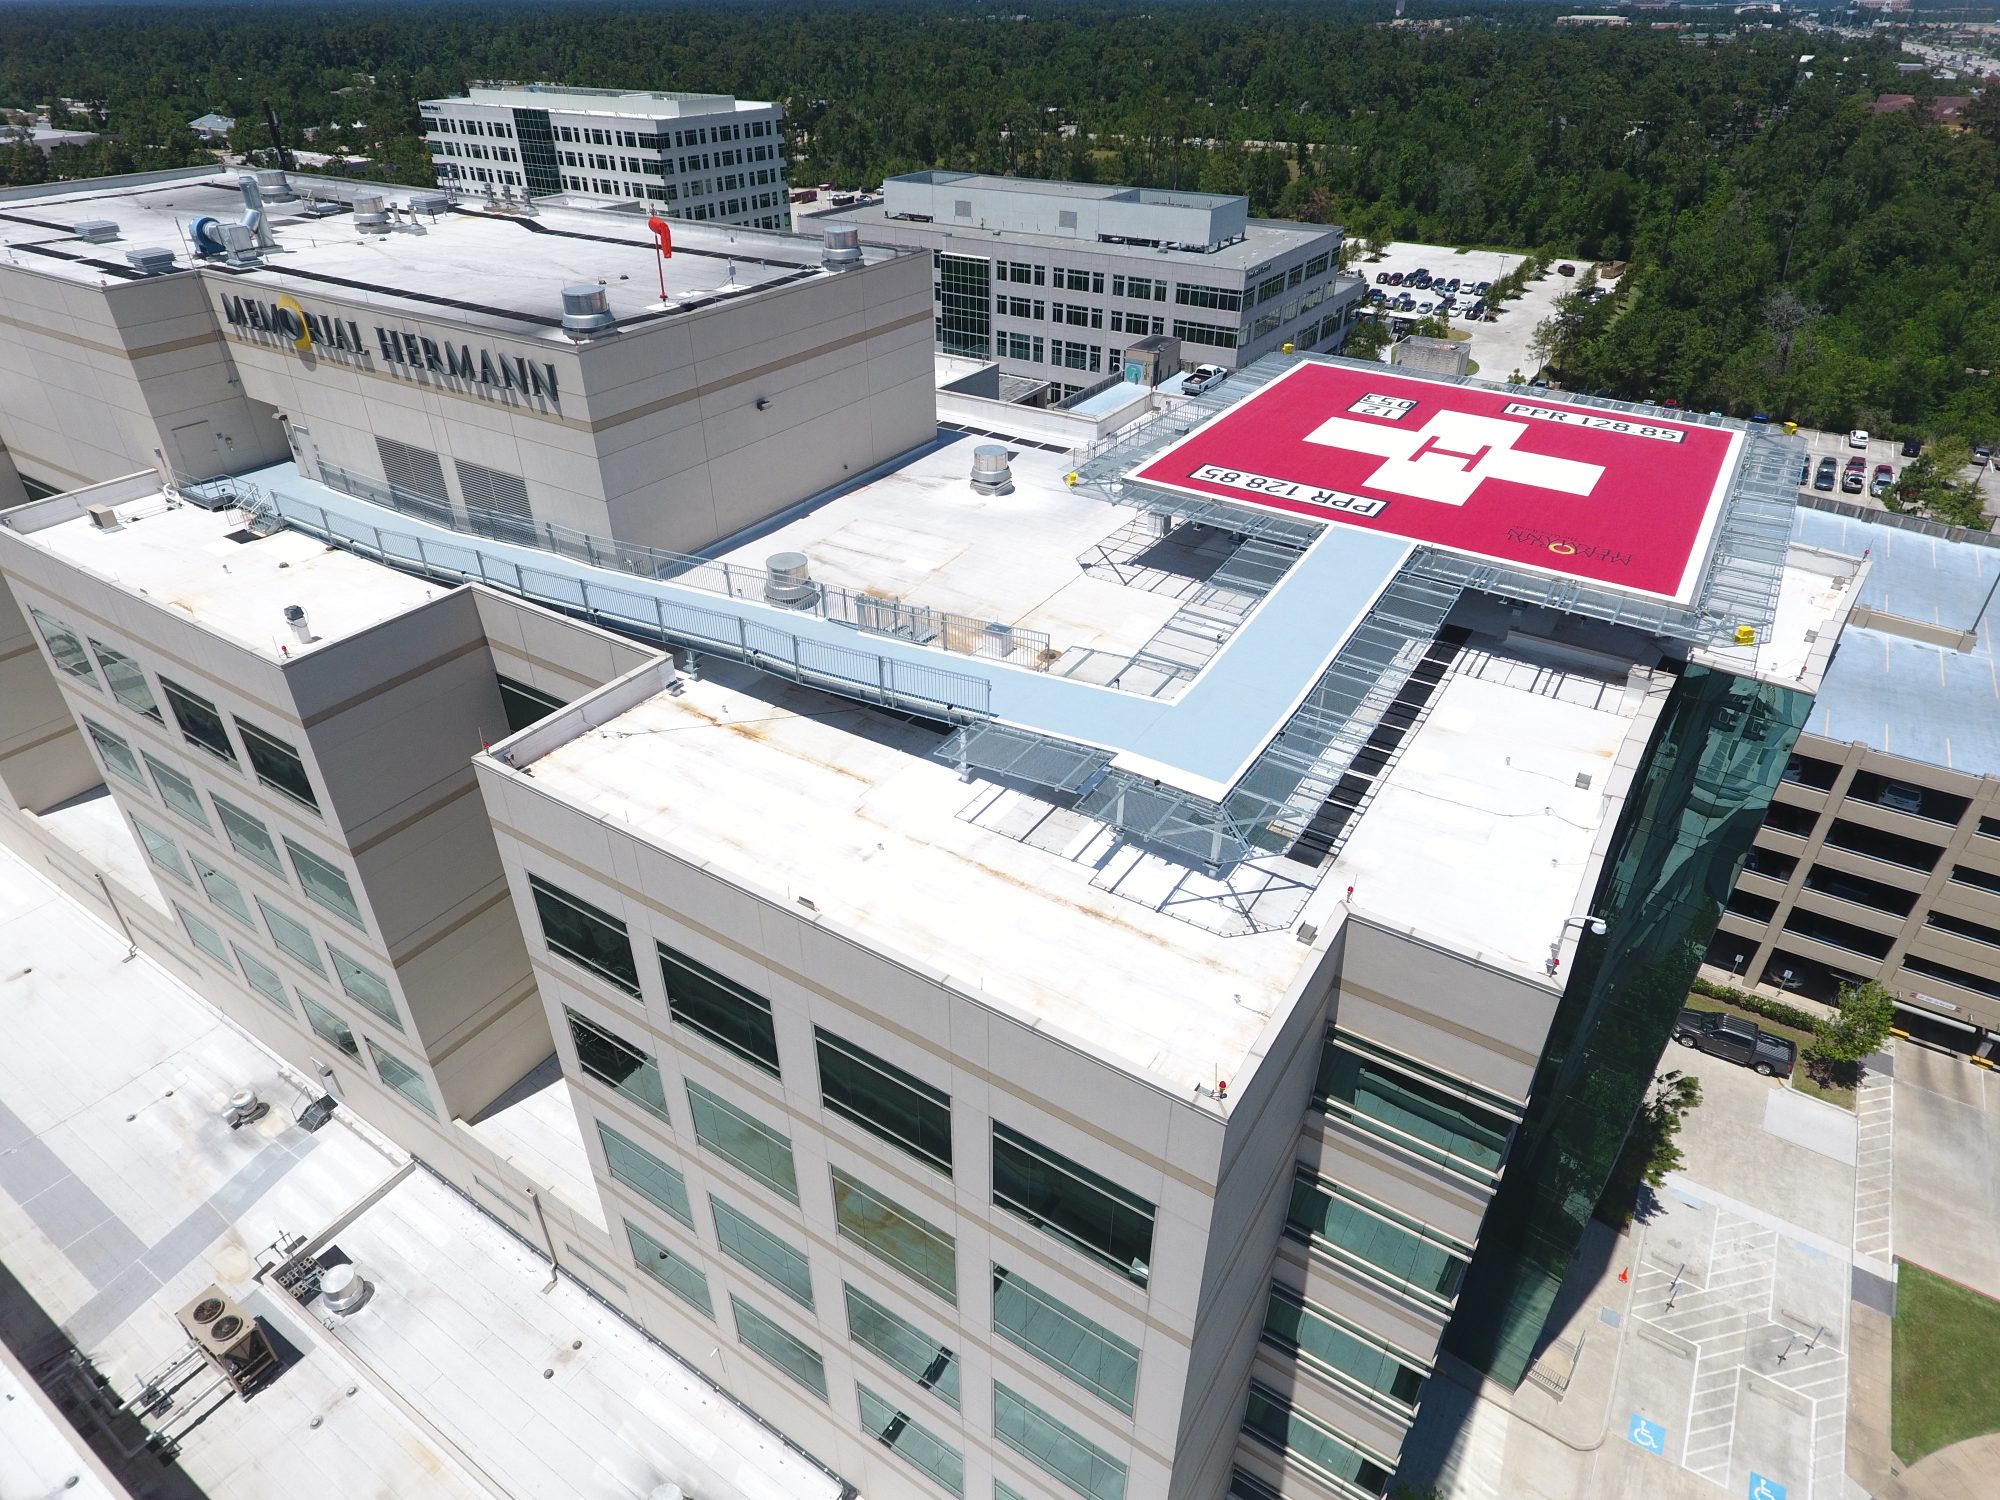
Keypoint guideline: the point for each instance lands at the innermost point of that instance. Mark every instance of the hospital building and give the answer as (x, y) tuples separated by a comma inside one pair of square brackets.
[(1044, 959)]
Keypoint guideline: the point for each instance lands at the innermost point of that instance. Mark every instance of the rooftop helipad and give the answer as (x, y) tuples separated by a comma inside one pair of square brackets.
[(1604, 496)]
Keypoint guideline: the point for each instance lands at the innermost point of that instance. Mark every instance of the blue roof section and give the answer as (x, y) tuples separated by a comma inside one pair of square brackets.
[(1200, 742), (1916, 576), (1907, 697)]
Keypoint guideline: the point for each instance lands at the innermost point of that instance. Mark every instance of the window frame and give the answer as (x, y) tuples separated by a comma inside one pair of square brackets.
[(648, 1266), (764, 1254), (49, 627), (671, 1199), (1138, 1271), (845, 1052), (279, 753), (849, 1189), (198, 818), (176, 695), (246, 846), (780, 1337), (1089, 1488), (602, 1037), (540, 890), (124, 764), (285, 919), (940, 1375), (150, 709), (702, 1100), (755, 1042), (302, 858), (1120, 1398)]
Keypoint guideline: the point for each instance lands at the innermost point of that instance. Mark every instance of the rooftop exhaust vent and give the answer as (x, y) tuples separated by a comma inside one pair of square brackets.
[(991, 473), (370, 217), (150, 260), (788, 581), (585, 309), (97, 231), (276, 187), (843, 248), (343, 1289), (430, 204)]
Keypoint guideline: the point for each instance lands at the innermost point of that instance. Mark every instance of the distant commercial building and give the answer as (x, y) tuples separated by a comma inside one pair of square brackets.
[(1879, 857), (1053, 279), (706, 157)]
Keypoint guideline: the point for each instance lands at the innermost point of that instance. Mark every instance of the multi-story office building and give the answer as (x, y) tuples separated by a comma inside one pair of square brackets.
[(1082, 1008), (1880, 856), (690, 156), (443, 357), (1053, 279)]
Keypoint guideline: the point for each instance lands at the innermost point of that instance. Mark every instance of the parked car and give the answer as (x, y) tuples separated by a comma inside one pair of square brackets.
[(1854, 478), (1884, 477), (1425, 306), (1483, 288), (1858, 438), (1737, 1040), (1760, 417), (1477, 310), (1913, 447), (1451, 285), (1395, 278), (1203, 378), (1982, 456), (1827, 475), (1565, 269), (1902, 797), (1381, 278), (1805, 472)]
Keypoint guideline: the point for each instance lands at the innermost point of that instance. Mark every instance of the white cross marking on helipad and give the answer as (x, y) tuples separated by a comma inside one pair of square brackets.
[(1448, 458)]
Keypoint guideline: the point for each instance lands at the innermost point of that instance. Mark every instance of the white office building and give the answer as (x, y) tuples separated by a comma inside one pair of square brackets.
[(1053, 280), (707, 157)]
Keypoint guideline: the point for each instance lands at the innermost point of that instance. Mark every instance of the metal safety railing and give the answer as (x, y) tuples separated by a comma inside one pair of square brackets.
[(650, 614), (992, 640)]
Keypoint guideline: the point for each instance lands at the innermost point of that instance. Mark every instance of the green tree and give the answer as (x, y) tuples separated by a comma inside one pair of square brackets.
[(1856, 1030), (1651, 1149), (1365, 340), (1932, 485)]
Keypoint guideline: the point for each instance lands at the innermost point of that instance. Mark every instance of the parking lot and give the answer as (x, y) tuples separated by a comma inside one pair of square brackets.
[(1883, 448), (1498, 348)]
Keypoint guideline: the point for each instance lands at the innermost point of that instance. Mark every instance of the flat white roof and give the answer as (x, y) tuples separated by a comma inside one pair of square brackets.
[(183, 560), (1481, 835), (1481, 838), (920, 533), (123, 1195), (644, 104), (803, 795), (498, 270)]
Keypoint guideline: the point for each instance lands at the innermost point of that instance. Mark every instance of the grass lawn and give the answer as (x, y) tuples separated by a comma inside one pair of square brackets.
[(1944, 1363), (1801, 1079)]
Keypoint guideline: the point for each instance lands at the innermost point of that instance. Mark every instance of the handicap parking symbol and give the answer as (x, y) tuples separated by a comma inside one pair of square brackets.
[(1765, 1489), (1651, 1436)]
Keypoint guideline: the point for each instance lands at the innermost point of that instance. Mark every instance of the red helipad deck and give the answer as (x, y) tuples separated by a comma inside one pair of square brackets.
[(1622, 500)]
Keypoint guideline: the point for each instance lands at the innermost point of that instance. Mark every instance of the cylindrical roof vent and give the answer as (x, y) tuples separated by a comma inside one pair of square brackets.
[(787, 581), (586, 310), (991, 474), (276, 186), (843, 249), (369, 215), (343, 1289)]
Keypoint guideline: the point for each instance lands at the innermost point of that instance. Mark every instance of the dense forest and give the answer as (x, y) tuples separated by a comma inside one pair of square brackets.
[(1794, 252)]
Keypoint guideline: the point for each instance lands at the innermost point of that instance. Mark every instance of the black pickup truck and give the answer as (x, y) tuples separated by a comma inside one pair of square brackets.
[(1739, 1041)]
